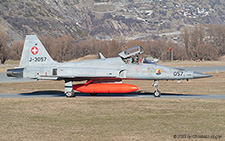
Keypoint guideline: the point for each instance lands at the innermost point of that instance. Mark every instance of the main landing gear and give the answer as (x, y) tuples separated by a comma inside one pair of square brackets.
[(157, 93), (69, 92)]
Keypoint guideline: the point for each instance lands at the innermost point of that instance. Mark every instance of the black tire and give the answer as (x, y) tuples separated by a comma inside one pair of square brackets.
[(157, 93), (70, 94)]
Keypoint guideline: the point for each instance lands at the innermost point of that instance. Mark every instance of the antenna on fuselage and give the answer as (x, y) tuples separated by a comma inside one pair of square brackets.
[(101, 55)]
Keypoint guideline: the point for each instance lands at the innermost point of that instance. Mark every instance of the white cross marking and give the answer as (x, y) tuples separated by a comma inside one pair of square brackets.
[(34, 50)]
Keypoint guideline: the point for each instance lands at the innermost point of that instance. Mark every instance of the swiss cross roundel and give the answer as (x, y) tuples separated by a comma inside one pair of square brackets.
[(34, 50)]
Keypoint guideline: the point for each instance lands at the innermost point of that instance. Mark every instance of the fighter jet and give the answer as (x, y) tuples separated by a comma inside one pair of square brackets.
[(102, 75)]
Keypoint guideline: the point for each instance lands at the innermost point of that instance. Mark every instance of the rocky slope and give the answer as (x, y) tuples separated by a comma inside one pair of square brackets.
[(105, 19)]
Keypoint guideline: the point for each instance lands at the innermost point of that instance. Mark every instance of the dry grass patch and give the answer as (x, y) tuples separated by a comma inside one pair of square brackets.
[(29, 87), (9, 64), (3, 68), (108, 118)]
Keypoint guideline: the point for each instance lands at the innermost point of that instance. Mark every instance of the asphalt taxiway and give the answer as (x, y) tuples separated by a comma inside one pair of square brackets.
[(48, 94)]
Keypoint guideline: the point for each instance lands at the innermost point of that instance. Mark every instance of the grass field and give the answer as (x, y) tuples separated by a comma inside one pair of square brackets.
[(109, 118)]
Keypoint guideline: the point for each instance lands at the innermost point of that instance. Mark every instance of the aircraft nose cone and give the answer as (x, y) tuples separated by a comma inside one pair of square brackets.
[(200, 75)]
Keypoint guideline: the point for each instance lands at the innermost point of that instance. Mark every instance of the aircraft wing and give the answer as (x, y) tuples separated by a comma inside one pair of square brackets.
[(81, 78)]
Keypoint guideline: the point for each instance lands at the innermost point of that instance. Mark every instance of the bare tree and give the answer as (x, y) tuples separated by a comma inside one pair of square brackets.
[(185, 36), (113, 48), (216, 37), (158, 49), (63, 48), (202, 37), (16, 50), (48, 42), (206, 52), (4, 47), (201, 33)]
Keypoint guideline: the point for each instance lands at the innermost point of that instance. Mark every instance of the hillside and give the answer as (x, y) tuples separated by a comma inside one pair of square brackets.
[(106, 19)]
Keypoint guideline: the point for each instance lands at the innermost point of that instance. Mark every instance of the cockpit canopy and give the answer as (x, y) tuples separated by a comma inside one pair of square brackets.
[(131, 55), (146, 61), (131, 52)]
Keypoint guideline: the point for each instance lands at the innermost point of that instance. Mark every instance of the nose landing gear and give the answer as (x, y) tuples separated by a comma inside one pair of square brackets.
[(157, 93)]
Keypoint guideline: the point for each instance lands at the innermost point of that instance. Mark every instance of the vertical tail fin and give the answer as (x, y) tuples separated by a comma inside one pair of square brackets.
[(34, 53)]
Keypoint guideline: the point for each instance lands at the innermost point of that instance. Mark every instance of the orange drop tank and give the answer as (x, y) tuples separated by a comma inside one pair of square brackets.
[(105, 88)]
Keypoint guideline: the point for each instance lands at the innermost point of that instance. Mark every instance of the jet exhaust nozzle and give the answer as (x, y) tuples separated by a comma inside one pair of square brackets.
[(15, 72)]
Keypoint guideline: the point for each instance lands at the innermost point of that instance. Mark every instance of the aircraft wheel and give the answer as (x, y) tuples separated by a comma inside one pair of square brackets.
[(70, 94), (93, 94), (157, 93)]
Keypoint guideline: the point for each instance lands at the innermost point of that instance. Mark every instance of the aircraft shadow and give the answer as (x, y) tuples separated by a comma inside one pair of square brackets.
[(133, 94), (45, 93)]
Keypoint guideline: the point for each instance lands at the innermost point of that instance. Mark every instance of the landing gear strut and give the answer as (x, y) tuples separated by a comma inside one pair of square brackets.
[(157, 93), (69, 92)]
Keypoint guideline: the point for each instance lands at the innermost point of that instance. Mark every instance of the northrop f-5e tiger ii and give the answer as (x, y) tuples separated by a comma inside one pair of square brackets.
[(102, 75)]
